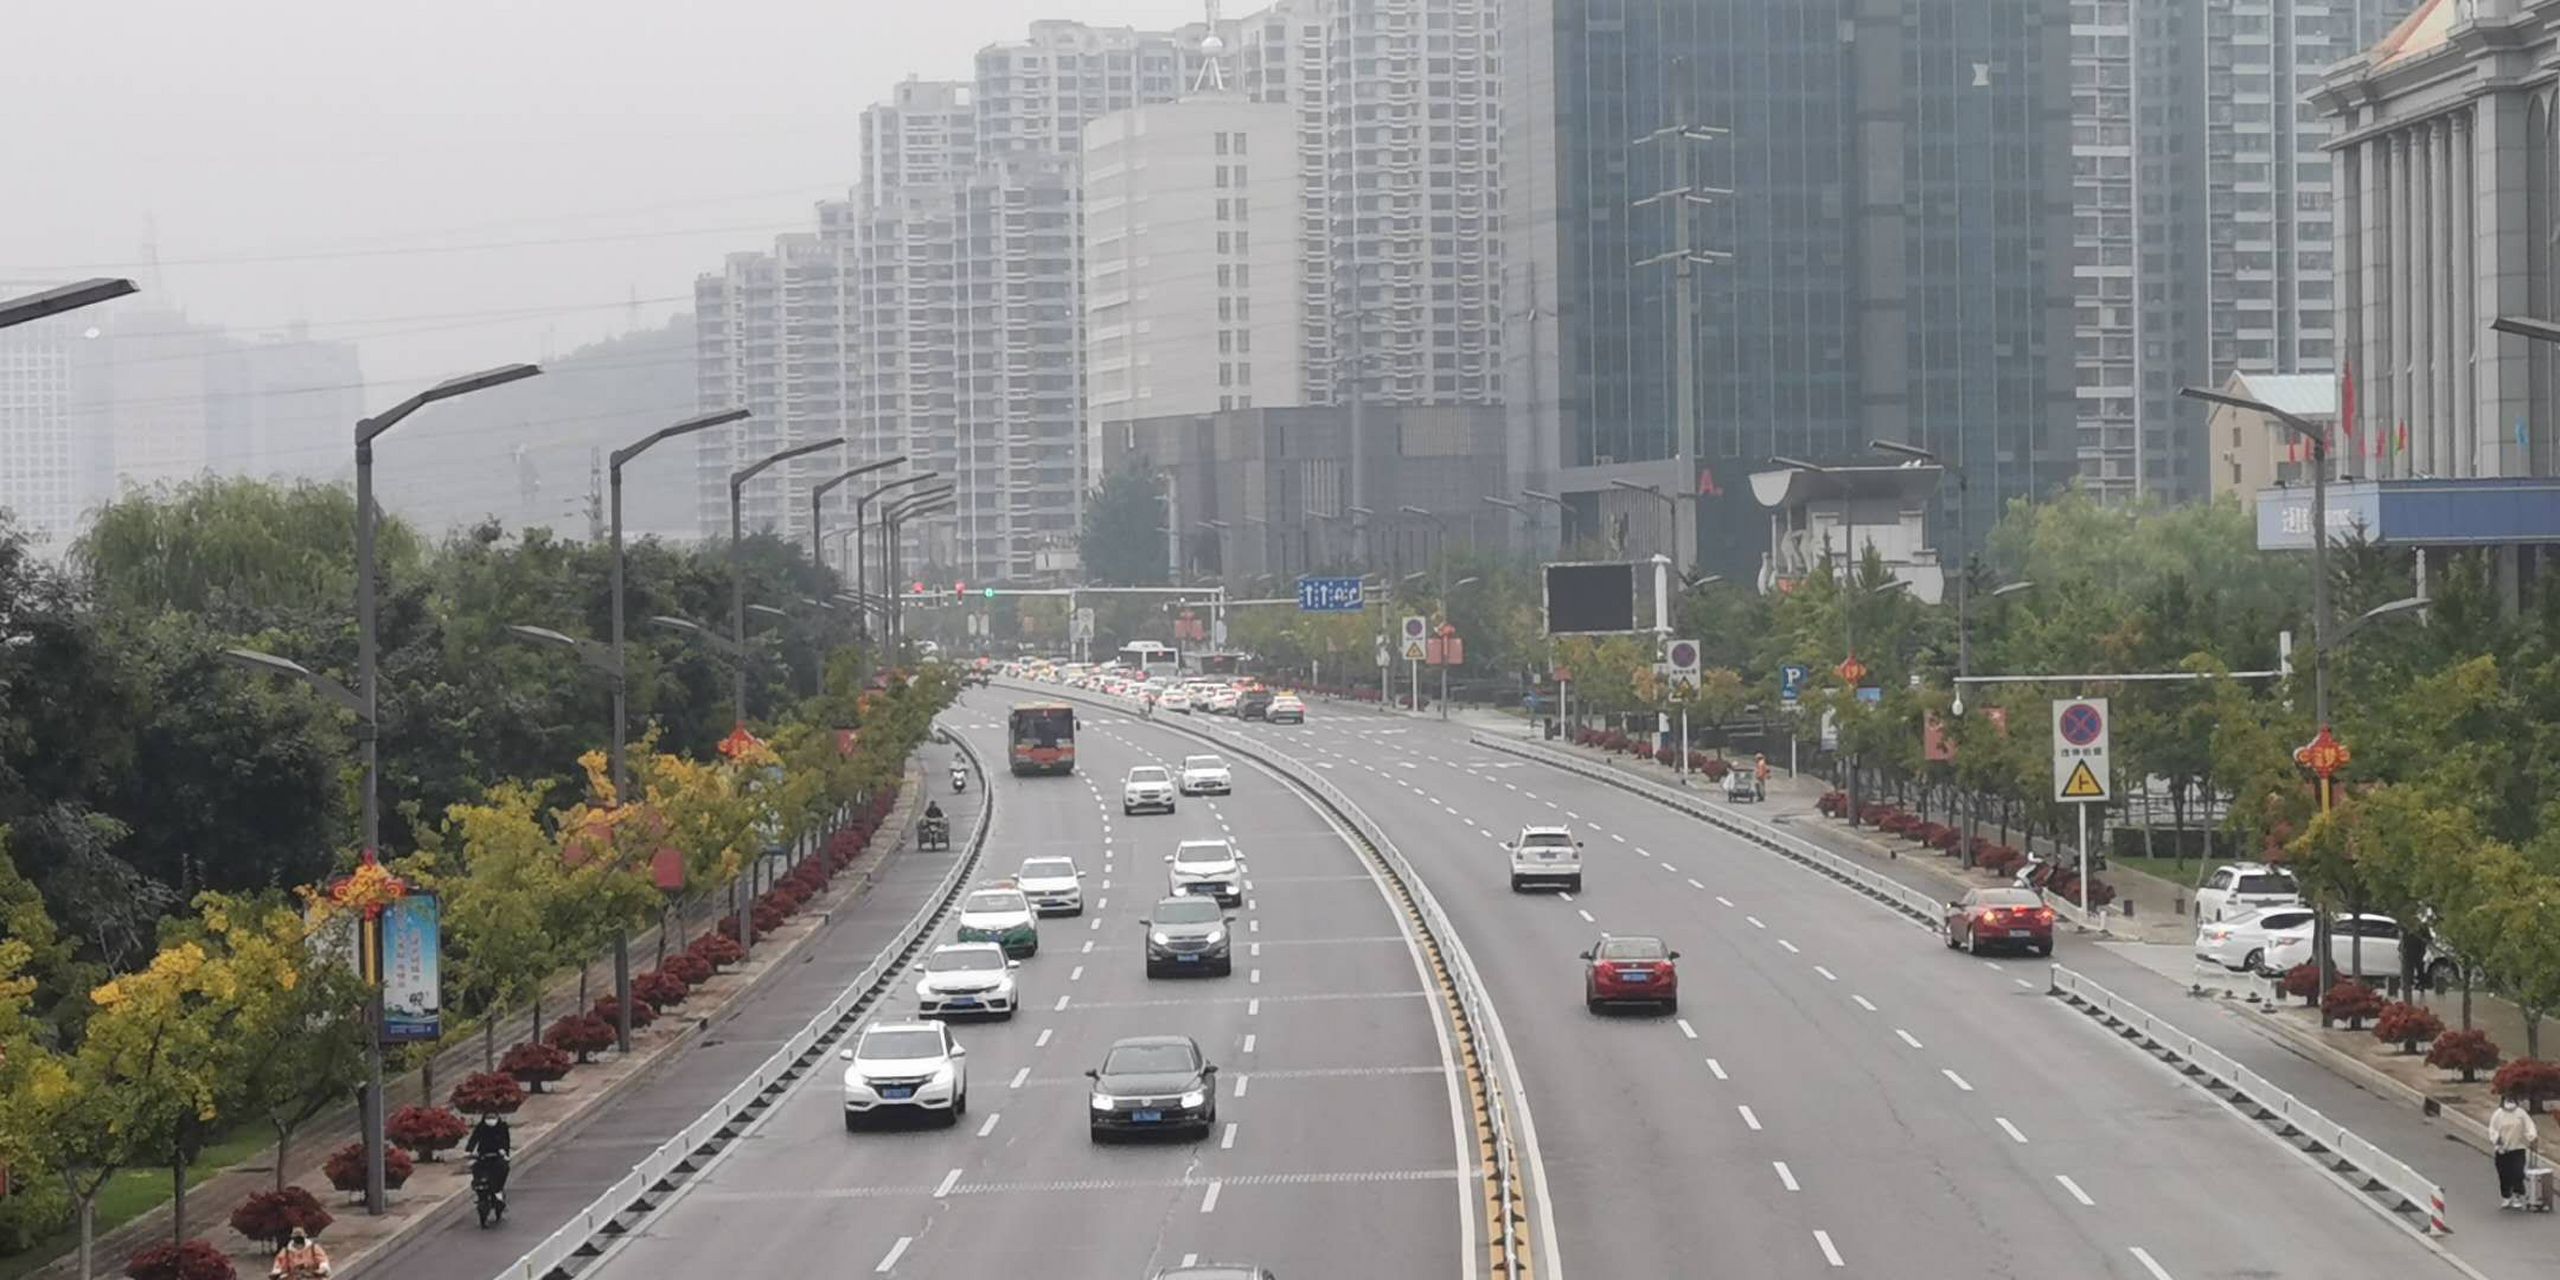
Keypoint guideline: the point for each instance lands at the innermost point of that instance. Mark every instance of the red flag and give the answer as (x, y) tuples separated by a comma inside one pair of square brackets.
[(2347, 405), (1707, 483), (2400, 442)]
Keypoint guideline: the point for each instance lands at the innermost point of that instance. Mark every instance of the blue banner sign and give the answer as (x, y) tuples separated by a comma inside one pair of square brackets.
[(1330, 595)]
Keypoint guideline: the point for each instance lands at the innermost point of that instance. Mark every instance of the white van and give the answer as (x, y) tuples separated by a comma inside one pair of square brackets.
[(1546, 855)]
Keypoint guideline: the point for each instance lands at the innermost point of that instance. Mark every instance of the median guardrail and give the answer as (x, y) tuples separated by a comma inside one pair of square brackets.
[(1922, 907), (1484, 1052), (2358, 1163), (662, 1173)]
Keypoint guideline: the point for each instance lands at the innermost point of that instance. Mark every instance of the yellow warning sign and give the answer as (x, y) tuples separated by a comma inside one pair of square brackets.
[(2082, 784)]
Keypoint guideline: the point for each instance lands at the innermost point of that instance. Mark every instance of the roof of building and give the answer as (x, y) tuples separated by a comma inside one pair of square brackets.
[(2304, 395), (2425, 29)]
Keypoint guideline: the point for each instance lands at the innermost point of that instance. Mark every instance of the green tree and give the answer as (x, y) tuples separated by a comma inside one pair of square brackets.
[(1120, 544), (300, 1023), (499, 873), (233, 547)]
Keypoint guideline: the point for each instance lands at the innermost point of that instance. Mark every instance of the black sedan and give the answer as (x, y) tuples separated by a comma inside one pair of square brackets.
[(1189, 935), (1152, 1084)]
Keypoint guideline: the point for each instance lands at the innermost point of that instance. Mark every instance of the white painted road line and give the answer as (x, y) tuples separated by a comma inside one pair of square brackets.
[(1908, 1038), (1829, 1253), (2074, 1189), (1019, 1077), (1865, 1003), (1791, 947), (2010, 1129), (1076, 974), (1827, 975), (1062, 1002), (1209, 1201), (1672, 869), (1619, 838), (1755, 922), (1717, 1068), (1241, 1082), (1725, 900), (1227, 1141), (1695, 885), (1563, 896), (1248, 1043), (1043, 1041), (899, 1250), (1253, 976), (1254, 949), (1749, 1120), (1586, 916), (1252, 1007), (1954, 1079), (2024, 983), (1088, 947), (1687, 1030), (2157, 1271), (990, 1125), (1786, 1176), (949, 1180)]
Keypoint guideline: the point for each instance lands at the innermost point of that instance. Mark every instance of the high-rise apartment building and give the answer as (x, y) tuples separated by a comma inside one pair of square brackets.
[(40, 481), (773, 336), (1893, 187), (1192, 253), (2204, 227)]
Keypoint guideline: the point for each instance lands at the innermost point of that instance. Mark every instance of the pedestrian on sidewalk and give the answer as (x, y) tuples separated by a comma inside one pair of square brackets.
[(2511, 1135)]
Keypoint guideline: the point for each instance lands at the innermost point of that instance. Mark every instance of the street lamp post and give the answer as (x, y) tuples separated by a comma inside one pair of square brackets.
[(817, 549), (1964, 593), (924, 502), (53, 302), (1670, 507), (862, 555), (621, 710), (1440, 545), (737, 559), (2319, 442), (1564, 514), (602, 658), (376, 1196)]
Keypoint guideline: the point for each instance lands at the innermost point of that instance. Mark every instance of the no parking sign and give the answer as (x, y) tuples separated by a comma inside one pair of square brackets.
[(2082, 737)]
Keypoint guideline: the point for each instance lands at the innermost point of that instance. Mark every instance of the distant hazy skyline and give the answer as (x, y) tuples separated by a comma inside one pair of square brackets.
[(305, 161)]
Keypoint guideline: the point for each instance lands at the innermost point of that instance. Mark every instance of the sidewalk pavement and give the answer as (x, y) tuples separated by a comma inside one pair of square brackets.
[(438, 1192), (2136, 962)]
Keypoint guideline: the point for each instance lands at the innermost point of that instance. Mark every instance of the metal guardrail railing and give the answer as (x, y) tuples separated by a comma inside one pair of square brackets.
[(1492, 1056), (2366, 1167), (659, 1174), (1921, 907)]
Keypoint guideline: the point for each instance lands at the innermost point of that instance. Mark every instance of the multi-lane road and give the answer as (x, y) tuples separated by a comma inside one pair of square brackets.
[(1838, 1094)]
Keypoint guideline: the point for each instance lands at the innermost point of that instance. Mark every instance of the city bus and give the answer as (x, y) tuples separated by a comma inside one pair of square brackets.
[(1043, 737), (1221, 664), (1150, 659)]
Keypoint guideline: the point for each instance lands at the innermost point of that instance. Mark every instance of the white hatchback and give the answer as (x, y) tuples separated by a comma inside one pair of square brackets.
[(905, 1068), (1205, 776)]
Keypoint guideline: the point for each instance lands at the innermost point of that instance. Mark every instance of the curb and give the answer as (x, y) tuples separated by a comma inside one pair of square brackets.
[(2456, 1124), (452, 1203)]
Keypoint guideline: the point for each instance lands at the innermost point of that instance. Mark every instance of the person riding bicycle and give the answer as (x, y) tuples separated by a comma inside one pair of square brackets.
[(491, 1145), (301, 1258)]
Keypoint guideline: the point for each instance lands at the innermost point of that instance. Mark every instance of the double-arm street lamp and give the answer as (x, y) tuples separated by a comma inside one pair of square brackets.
[(2319, 443), (922, 503), (1670, 507), (53, 302), (737, 554), (861, 555), (1440, 548), (1964, 593), (1564, 514), (817, 549)]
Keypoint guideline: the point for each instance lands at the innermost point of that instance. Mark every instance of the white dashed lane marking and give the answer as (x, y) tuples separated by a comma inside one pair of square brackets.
[(899, 1250), (990, 1125), (1831, 1254), (949, 1180), (1717, 1068), (1908, 1038), (1749, 1120), (2010, 1129), (2074, 1189), (1865, 1003), (1958, 1081), (1786, 1176), (1827, 975)]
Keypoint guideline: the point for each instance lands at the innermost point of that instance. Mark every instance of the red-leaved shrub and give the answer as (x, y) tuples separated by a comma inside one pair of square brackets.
[(609, 1012), (345, 1167), (534, 1064), (2469, 1052), (2406, 1024), (664, 990), (581, 1035), (269, 1217), (2352, 1002), (2531, 1079), (2303, 980), (487, 1093), (1832, 804), (717, 950), (688, 968), (424, 1131), (769, 917), (191, 1260)]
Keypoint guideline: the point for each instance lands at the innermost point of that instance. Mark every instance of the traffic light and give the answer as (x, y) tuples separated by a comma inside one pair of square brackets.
[(988, 592)]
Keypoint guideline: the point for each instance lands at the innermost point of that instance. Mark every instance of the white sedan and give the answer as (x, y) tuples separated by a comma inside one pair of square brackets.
[(2378, 938), (966, 979), (1054, 885), (1174, 700), (2241, 942), (1206, 775)]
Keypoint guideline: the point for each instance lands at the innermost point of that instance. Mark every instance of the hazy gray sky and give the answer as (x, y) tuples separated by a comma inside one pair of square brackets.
[(291, 158)]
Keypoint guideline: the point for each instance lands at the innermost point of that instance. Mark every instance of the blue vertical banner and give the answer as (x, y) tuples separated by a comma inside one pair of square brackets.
[(412, 941)]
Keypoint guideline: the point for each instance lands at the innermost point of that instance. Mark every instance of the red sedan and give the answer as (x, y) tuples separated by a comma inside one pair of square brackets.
[(1986, 918), (1630, 970)]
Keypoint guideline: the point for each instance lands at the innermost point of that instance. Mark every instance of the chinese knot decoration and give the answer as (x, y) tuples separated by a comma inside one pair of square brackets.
[(740, 743), (370, 889), (1851, 670), (2324, 755)]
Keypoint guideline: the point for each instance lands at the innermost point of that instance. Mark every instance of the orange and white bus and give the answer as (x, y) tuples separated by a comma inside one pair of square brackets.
[(1043, 738)]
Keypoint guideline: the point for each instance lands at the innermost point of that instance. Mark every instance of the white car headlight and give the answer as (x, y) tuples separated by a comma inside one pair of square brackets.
[(1102, 1102), (1215, 937), (1160, 939), (1195, 1098)]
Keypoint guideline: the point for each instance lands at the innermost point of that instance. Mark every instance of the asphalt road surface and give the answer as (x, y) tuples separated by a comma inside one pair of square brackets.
[(1337, 1152)]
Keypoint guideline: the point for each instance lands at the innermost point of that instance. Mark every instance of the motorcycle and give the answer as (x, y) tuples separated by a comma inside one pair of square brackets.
[(489, 1189), (959, 778)]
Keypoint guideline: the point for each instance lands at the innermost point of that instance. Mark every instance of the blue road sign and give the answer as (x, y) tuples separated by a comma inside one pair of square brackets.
[(1330, 595), (1790, 682)]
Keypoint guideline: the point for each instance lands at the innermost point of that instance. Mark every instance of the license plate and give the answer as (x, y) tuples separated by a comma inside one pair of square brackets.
[(2021, 933), (1635, 977), (899, 1094), (959, 1004), (1145, 1117), (1187, 959)]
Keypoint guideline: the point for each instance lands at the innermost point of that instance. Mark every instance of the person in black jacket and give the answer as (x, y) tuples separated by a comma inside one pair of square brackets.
[(491, 1147)]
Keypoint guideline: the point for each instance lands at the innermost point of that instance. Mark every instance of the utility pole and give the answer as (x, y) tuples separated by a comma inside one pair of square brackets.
[(1684, 195)]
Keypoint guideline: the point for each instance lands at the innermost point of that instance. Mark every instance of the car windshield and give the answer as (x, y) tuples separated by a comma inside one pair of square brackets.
[(906, 1042), (1203, 762), (2266, 882), (1148, 773), (1633, 949), (1545, 839), (998, 900), (2007, 898), (1147, 1059), (1188, 911), (1201, 853), (1048, 869), (965, 959)]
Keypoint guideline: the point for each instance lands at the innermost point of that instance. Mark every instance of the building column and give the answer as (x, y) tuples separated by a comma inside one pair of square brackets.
[(2404, 315), (2438, 455), (2466, 312), (2349, 274), (2373, 359), (2423, 324)]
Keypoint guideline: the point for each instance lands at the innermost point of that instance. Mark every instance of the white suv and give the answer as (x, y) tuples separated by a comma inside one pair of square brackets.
[(1206, 775), (906, 1068), (1054, 885), (1207, 868), (964, 979), (1147, 787), (1546, 855), (2242, 887)]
